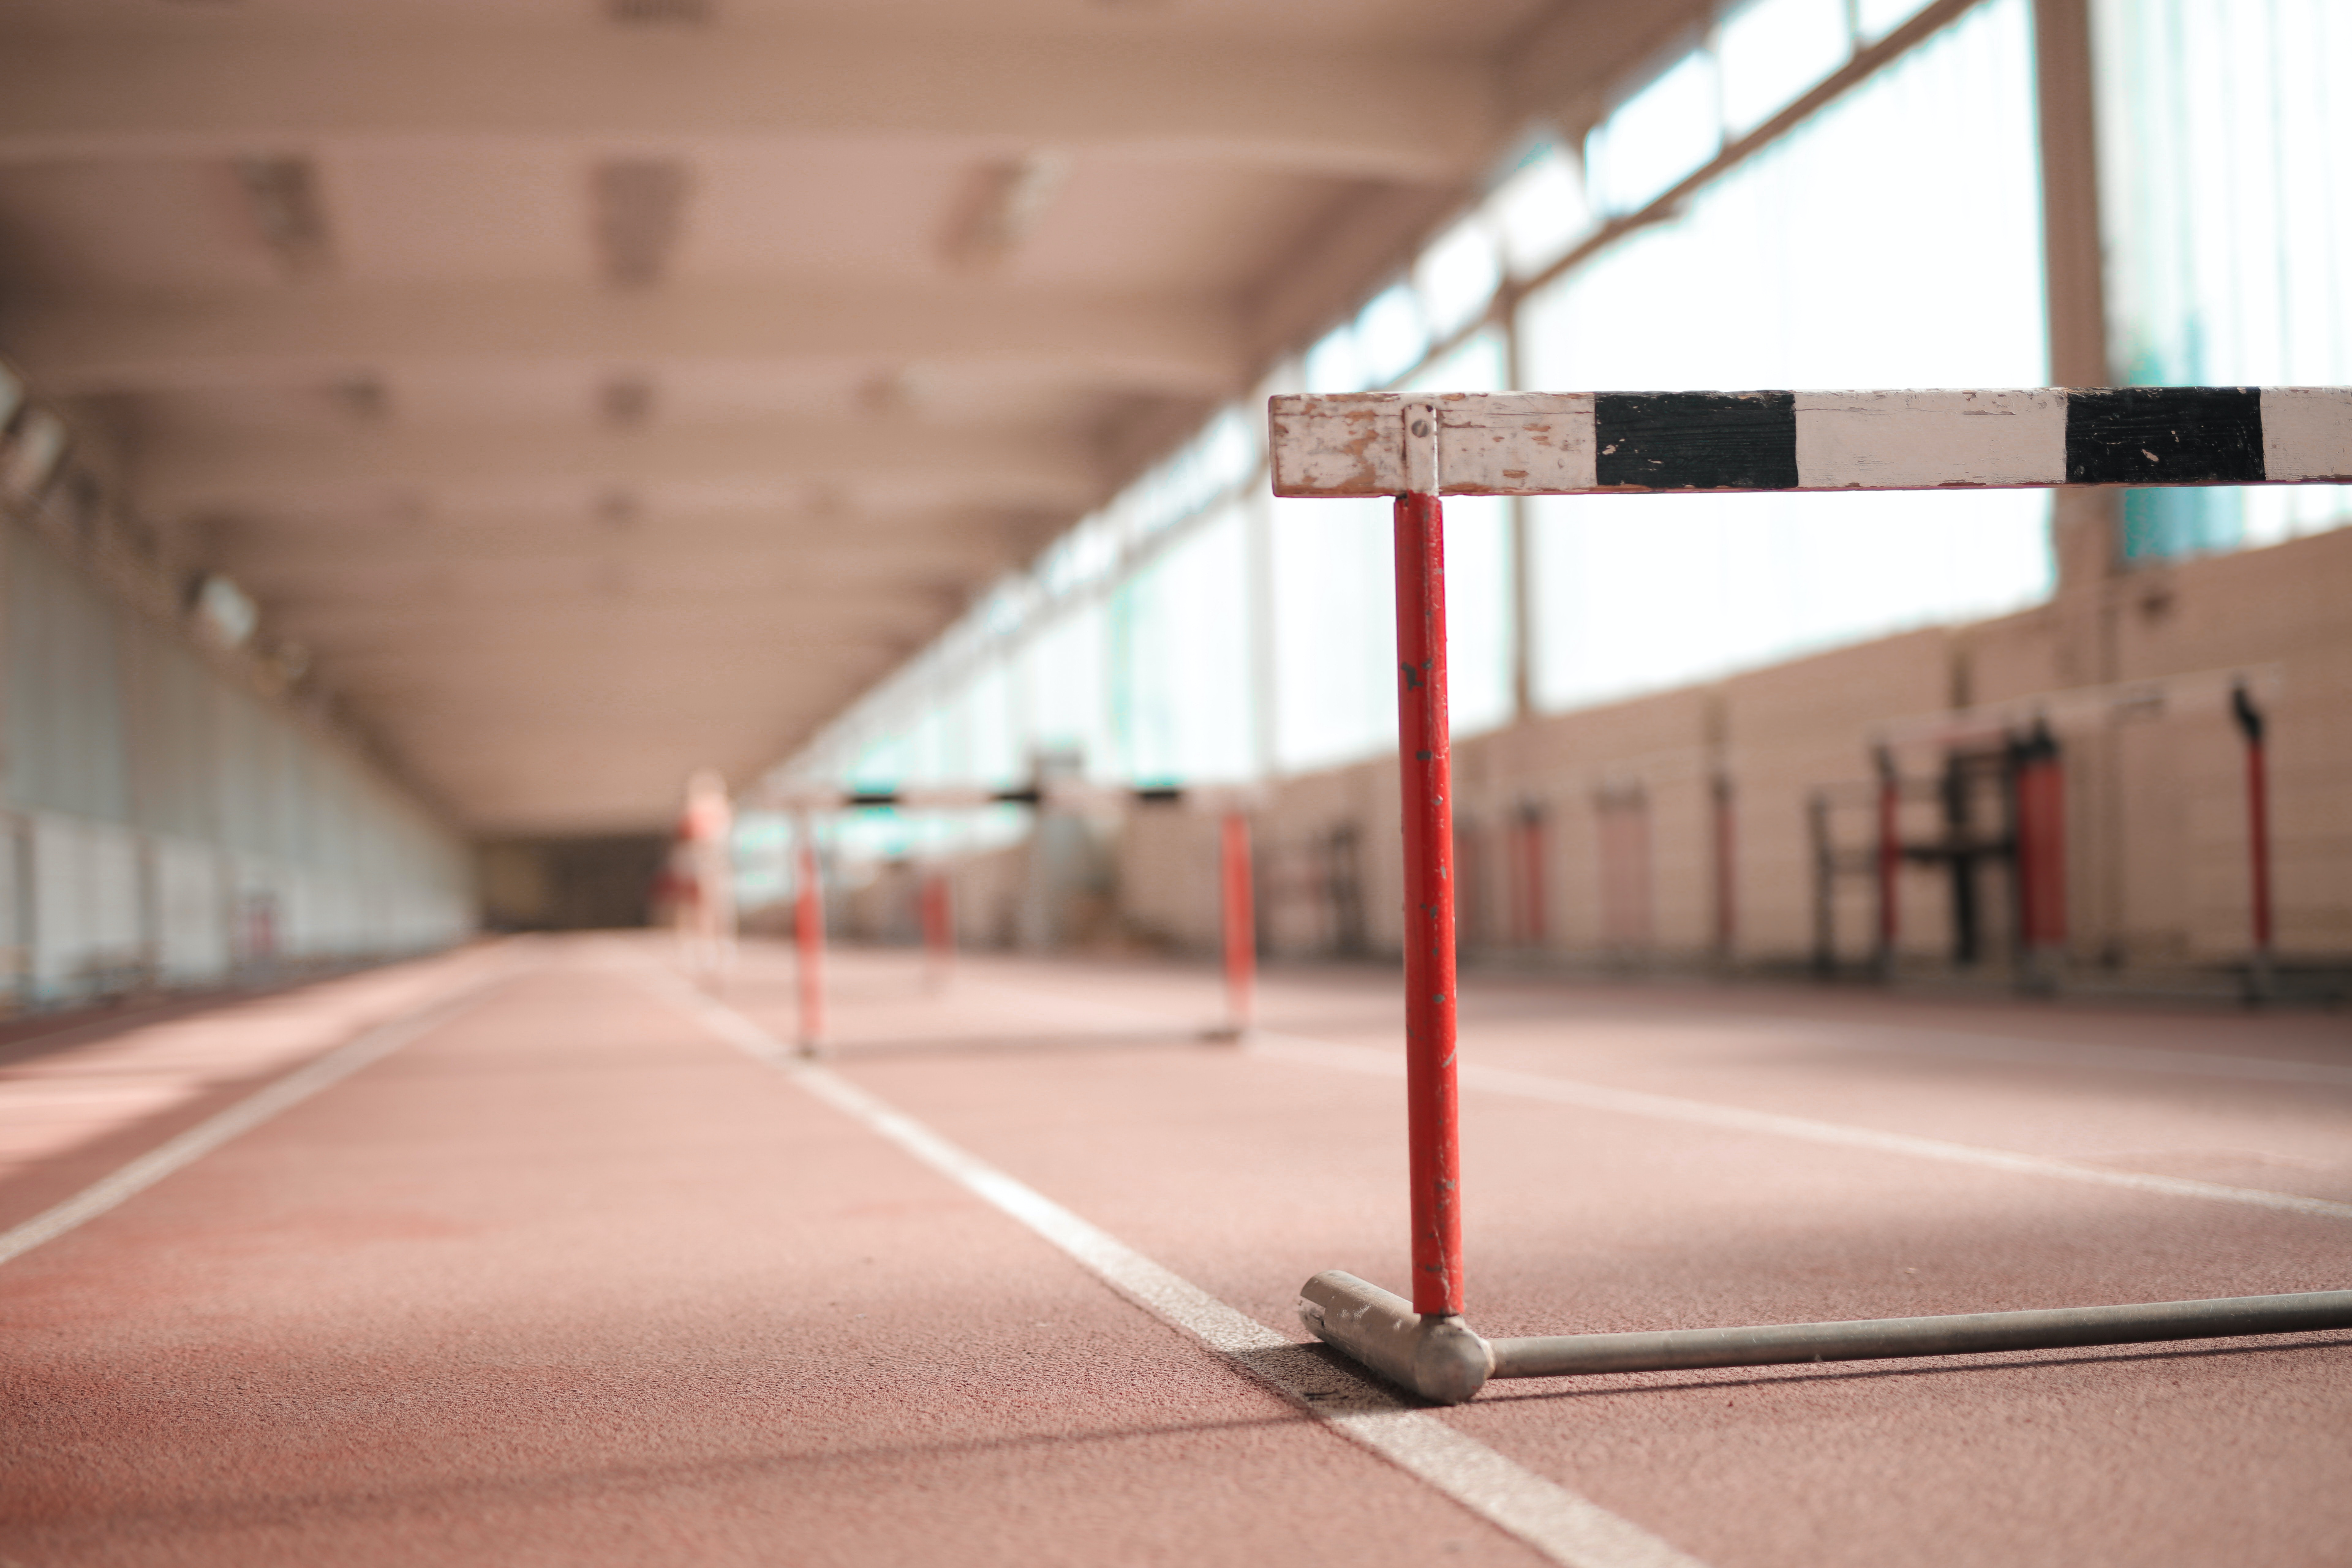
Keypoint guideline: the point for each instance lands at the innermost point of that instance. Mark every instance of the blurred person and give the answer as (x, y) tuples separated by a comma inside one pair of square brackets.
[(702, 877)]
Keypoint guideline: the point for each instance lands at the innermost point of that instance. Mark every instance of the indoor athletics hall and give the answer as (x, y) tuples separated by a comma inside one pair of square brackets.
[(1018, 782)]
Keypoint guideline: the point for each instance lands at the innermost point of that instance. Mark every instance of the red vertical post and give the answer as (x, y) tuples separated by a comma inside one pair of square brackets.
[(1240, 921), (808, 933), (2258, 830), (937, 913), (2041, 786), (1425, 765), (1890, 859), (1532, 913), (1727, 886)]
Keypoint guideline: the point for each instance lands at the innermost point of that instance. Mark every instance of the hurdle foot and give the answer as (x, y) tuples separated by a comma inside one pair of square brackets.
[(1438, 1358)]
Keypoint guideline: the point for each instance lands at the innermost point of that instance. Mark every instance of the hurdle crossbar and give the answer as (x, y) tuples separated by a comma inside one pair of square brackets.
[(1420, 447)]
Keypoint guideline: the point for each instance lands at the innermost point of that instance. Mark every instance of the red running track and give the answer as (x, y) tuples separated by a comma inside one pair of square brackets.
[(570, 1278)]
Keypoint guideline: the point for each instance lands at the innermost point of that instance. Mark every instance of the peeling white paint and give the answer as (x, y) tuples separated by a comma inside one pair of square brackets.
[(1924, 440), (2308, 434)]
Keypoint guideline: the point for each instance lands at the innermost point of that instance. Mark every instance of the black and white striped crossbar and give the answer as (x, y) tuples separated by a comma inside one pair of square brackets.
[(1068, 794), (1572, 443)]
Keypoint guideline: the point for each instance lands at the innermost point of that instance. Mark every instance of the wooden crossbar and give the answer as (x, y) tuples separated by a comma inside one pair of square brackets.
[(1571, 443)]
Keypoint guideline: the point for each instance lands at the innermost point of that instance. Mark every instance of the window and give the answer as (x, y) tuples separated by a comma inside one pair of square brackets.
[(1935, 280), (1655, 139), (2227, 165)]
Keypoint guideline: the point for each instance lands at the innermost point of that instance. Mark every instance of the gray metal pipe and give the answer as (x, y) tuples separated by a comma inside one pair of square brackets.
[(1971, 1333), (1437, 1358)]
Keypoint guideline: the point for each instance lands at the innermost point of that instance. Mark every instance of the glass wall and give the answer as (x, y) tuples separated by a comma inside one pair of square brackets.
[(1934, 280), (2226, 145)]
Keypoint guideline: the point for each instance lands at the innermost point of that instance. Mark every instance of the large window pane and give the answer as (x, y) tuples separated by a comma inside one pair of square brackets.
[(2227, 146), (1934, 281), (1335, 631), (1186, 714), (1658, 136), (1540, 209), (1771, 51)]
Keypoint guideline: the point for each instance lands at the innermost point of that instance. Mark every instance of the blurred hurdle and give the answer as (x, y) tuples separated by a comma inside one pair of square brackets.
[(1417, 447), (2021, 742), (936, 908), (1236, 891)]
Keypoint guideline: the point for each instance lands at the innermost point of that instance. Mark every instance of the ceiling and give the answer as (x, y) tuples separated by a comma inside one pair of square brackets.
[(592, 390)]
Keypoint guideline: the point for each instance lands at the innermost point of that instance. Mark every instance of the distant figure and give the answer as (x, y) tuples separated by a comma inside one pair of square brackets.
[(702, 879)]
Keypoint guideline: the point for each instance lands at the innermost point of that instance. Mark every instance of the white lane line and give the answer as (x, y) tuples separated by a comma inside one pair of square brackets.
[(217, 1128), (1672, 1107), (2033, 1050), (1564, 1527), (2036, 1052)]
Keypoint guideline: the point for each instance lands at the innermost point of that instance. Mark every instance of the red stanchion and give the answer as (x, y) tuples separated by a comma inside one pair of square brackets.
[(2258, 833), (1425, 765), (2258, 841), (937, 911), (1527, 913), (808, 936), (1240, 922), (1890, 859), (2041, 853), (1727, 884)]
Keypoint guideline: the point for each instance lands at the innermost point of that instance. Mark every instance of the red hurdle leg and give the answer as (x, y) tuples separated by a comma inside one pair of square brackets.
[(2040, 831), (939, 929), (2252, 726), (1241, 926), (1890, 860), (1423, 761), (808, 933), (2258, 841), (1726, 883)]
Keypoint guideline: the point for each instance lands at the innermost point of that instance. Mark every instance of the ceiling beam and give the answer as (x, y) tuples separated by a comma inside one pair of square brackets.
[(319, 330), (1566, 66), (415, 600), (848, 550), (234, 91), (186, 472), (536, 648)]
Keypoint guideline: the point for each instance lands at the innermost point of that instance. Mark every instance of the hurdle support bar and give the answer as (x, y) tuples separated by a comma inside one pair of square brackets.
[(1419, 446), (1621, 443), (1059, 794), (1441, 1359)]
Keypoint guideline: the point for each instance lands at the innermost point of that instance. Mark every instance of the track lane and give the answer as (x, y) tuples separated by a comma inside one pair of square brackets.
[(1247, 1175), (566, 1281)]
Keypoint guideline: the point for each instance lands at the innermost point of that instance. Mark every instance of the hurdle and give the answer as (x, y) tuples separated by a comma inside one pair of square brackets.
[(1236, 892), (1417, 447), (2019, 732)]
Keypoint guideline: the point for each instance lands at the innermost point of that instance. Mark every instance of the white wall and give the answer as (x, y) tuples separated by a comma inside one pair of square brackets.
[(163, 823)]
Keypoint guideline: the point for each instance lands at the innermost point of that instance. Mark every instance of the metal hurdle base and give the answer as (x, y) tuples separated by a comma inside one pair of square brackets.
[(1441, 1360)]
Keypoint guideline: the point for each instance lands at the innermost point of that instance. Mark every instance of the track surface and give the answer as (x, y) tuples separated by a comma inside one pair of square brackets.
[(569, 1280)]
